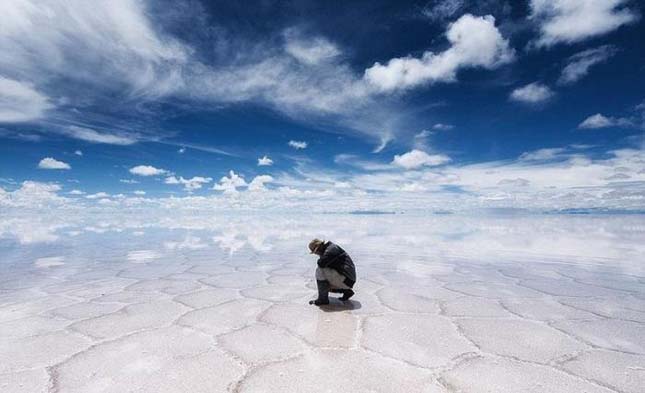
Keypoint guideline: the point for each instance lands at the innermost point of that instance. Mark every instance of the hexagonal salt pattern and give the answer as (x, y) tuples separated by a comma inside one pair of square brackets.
[(432, 313)]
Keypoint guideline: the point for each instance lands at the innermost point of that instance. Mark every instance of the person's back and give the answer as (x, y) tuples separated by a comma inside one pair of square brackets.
[(335, 272)]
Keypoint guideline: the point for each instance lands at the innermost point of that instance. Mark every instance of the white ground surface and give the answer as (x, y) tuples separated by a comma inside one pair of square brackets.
[(443, 304)]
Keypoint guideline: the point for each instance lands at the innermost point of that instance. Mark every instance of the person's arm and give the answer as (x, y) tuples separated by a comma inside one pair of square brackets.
[(331, 258)]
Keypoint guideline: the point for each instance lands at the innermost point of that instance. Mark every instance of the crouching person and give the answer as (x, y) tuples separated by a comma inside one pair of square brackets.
[(335, 272)]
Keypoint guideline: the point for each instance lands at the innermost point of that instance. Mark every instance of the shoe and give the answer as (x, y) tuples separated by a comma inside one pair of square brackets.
[(319, 302), (347, 294), (323, 293)]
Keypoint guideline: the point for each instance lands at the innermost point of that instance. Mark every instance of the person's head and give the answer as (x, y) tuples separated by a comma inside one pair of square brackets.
[(315, 246)]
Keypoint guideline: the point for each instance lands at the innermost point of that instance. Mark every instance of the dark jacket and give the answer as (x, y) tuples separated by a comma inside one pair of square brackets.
[(336, 258)]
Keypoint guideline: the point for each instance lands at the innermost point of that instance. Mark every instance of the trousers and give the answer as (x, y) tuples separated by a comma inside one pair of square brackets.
[(336, 280)]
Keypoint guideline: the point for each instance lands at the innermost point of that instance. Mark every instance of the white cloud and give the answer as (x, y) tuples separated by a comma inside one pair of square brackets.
[(417, 158), (98, 195), (423, 134), (600, 121), (230, 184), (189, 243), (127, 57), (579, 64), (532, 93), (265, 161), (93, 136), (48, 262), (442, 127), (542, 154), (475, 42), (139, 192), (147, 170), (52, 163), (33, 195), (545, 179), (76, 192), (19, 101), (258, 182), (121, 48), (413, 187), (309, 50), (181, 150), (569, 21), (128, 181), (440, 10), (518, 182), (79, 153), (357, 162), (190, 185), (298, 144)]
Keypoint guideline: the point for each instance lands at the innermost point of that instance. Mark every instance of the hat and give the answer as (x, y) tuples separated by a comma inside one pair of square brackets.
[(315, 244)]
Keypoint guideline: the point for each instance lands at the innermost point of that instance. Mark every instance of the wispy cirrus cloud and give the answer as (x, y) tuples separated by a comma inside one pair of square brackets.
[(93, 136), (569, 21), (125, 68), (20, 102), (578, 65)]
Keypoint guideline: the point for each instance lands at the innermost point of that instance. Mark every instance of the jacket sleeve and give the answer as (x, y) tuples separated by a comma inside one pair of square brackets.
[(332, 257)]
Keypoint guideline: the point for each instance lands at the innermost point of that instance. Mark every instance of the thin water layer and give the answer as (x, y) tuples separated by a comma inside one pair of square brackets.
[(207, 304)]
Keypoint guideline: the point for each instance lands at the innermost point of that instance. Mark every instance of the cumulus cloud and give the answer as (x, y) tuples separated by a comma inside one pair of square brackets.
[(128, 181), (20, 102), (474, 42), (76, 192), (258, 182), (52, 163), (147, 170), (533, 93), (98, 195), (93, 136), (600, 121), (33, 194), (569, 21), (78, 153), (552, 178), (229, 184), (297, 73), (298, 145), (139, 192), (417, 158), (579, 64), (190, 185), (265, 161)]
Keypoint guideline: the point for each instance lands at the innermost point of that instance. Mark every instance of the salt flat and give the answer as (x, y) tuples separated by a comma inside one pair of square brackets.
[(443, 304)]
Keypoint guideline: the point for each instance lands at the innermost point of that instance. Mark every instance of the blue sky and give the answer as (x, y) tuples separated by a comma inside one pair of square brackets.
[(520, 104)]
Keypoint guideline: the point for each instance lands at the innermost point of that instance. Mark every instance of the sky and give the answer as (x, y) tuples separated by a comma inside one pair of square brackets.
[(362, 105)]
